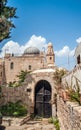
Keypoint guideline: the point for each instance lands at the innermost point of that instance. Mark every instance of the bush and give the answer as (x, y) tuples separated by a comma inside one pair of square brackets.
[(74, 96), (13, 109), (55, 121), (21, 77)]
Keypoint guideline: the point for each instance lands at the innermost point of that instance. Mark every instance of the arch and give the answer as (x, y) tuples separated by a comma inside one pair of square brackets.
[(43, 107)]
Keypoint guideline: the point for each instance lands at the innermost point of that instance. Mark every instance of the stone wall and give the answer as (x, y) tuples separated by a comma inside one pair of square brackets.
[(73, 76), (21, 63), (14, 95), (69, 114), (26, 92)]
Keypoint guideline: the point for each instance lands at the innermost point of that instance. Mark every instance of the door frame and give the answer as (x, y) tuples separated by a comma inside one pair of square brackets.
[(48, 87)]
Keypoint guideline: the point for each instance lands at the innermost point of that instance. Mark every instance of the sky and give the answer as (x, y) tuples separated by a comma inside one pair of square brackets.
[(42, 21)]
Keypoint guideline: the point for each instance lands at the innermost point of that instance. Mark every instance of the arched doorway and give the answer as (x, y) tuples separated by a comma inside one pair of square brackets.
[(42, 99)]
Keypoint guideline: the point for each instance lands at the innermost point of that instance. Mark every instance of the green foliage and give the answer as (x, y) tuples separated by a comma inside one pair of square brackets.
[(10, 84), (13, 84), (6, 15), (13, 109), (55, 121), (58, 75), (74, 95), (21, 76)]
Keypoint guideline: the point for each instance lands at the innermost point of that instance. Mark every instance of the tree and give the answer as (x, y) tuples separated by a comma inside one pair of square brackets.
[(6, 15)]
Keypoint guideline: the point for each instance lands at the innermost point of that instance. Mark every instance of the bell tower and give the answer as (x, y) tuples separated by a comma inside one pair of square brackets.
[(50, 56)]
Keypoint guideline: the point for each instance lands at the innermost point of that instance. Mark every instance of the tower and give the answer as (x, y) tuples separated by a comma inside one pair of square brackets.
[(50, 56)]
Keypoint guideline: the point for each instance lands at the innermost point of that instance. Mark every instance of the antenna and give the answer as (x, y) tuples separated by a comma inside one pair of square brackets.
[(68, 61)]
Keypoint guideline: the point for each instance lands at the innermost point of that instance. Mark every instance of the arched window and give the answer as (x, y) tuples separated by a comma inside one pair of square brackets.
[(50, 58), (1, 74), (11, 65), (29, 67)]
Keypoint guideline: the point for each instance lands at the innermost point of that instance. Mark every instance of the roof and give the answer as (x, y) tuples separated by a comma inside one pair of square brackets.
[(78, 50), (31, 50), (44, 70)]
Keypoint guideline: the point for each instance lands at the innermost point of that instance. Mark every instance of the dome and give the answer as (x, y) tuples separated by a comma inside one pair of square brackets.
[(31, 50), (50, 44)]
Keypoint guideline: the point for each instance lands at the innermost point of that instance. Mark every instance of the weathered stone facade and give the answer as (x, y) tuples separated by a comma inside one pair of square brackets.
[(32, 59), (21, 63), (72, 77), (69, 114), (28, 98), (31, 93)]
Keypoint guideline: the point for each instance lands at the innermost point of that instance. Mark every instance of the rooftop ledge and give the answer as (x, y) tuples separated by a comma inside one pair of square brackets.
[(44, 70)]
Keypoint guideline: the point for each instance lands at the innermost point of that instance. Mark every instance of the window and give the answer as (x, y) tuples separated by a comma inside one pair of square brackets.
[(11, 65), (78, 59), (29, 67), (50, 58), (12, 55), (1, 74)]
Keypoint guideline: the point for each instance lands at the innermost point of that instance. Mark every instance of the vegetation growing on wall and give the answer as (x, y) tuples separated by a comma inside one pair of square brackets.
[(55, 121), (58, 75), (21, 76), (74, 92), (13, 109)]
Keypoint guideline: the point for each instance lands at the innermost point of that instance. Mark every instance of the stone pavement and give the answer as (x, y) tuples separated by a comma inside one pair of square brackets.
[(30, 125)]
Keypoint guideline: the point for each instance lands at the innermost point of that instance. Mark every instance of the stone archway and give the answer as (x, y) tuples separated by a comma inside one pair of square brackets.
[(43, 107)]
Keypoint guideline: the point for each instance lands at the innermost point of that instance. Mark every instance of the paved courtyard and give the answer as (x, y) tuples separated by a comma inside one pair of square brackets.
[(30, 125)]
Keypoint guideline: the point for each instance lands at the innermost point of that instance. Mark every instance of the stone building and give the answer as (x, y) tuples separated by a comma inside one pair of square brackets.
[(78, 53), (39, 88), (32, 59), (74, 76), (1, 72)]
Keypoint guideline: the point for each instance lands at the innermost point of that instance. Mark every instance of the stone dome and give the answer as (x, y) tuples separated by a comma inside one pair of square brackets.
[(31, 50)]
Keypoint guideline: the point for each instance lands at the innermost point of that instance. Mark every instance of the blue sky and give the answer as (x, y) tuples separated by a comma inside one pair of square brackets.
[(58, 21)]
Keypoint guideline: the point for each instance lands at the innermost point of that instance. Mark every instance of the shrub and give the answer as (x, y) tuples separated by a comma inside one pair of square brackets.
[(55, 121), (58, 75), (74, 96), (21, 76), (13, 109)]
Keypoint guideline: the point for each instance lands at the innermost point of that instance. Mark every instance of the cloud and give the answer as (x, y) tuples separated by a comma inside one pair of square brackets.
[(17, 49), (78, 40), (65, 51), (38, 42), (11, 47)]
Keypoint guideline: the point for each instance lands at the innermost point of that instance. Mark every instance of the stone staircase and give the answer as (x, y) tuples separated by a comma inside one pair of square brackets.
[(27, 124)]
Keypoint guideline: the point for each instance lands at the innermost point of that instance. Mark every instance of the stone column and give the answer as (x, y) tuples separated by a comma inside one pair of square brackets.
[(54, 112)]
